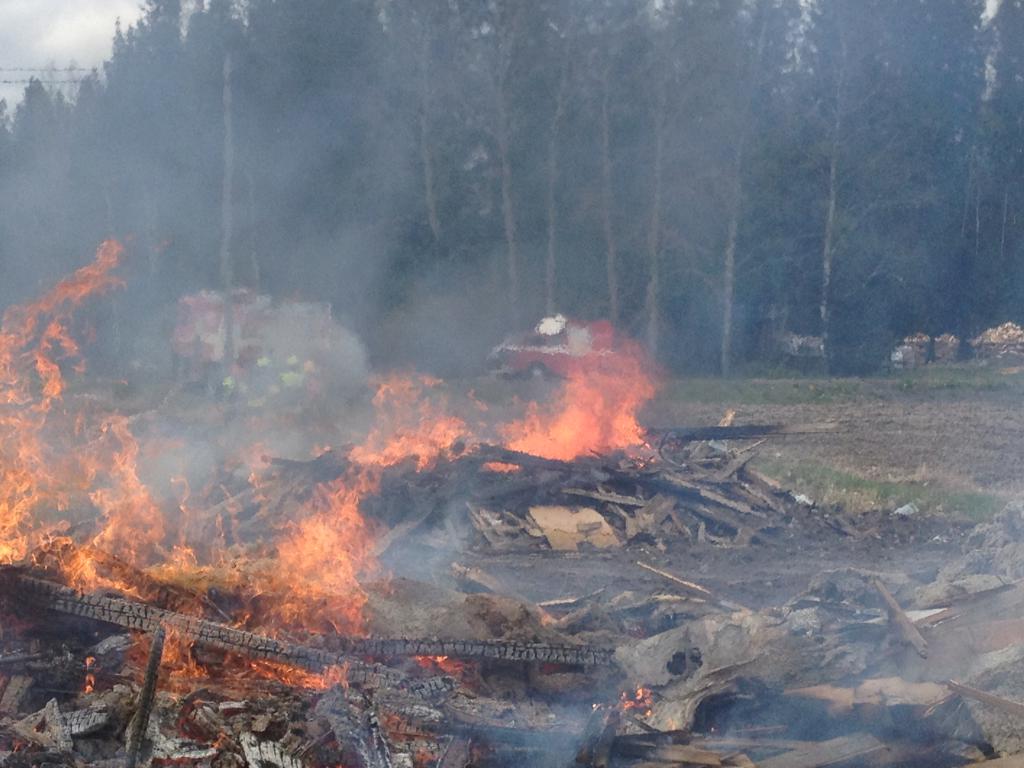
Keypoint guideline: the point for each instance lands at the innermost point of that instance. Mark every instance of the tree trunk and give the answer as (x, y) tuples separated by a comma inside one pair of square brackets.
[(736, 195), (825, 308), (729, 279), (551, 263), (652, 298), (227, 272), (607, 202), (254, 259), (1002, 232), (828, 244), (508, 211), (426, 153), (152, 243)]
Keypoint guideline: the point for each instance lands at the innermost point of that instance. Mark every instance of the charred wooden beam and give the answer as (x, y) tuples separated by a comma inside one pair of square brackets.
[(146, 698), (498, 650), (485, 453), (146, 618)]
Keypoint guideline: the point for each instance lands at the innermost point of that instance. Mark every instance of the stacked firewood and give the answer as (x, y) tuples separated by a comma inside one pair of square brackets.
[(999, 342)]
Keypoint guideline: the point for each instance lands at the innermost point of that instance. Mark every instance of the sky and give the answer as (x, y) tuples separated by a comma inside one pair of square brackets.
[(60, 33)]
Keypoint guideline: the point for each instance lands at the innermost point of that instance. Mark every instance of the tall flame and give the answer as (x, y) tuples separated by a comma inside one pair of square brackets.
[(595, 411), (321, 557), (34, 340)]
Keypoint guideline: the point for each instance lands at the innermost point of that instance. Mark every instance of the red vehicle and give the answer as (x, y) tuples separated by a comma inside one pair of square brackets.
[(554, 348)]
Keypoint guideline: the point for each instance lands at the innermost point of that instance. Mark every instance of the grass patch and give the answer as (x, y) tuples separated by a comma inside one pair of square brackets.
[(858, 494), (764, 391), (961, 379), (931, 381)]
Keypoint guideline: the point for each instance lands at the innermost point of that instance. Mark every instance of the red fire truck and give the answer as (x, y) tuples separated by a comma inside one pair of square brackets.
[(555, 347)]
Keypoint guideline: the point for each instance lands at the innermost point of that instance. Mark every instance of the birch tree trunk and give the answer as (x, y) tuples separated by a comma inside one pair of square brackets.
[(729, 274), (227, 272), (828, 242), (254, 259), (1002, 231), (551, 262), (508, 211), (736, 195), (507, 37), (653, 294), (426, 149), (607, 201)]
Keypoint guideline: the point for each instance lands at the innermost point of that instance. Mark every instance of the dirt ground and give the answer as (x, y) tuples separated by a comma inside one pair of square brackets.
[(970, 440)]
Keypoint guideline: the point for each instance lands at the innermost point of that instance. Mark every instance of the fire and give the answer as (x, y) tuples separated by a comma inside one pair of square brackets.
[(300, 678), (34, 341), (409, 423), (318, 563), (319, 560), (443, 665), (133, 524), (641, 699), (57, 456), (90, 675), (178, 656), (500, 467), (595, 411)]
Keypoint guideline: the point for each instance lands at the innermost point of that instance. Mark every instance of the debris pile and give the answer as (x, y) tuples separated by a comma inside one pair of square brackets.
[(677, 674)]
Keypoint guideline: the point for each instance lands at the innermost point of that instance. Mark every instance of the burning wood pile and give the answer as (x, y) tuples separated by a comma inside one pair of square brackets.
[(270, 618)]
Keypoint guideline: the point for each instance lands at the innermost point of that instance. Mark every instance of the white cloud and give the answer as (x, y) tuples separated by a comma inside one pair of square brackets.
[(57, 33)]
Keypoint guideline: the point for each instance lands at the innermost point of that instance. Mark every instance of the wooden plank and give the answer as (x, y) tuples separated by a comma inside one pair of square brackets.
[(899, 620), (707, 494), (821, 754), (768, 482), (1009, 761), (1012, 708), (612, 498), (690, 585), (730, 469), (657, 751)]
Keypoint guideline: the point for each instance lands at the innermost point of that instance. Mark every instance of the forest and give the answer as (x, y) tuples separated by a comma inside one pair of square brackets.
[(706, 174)]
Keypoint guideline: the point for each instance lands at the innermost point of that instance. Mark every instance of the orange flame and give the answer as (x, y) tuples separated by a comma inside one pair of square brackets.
[(34, 339), (319, 559), (595, 411), (641, 699), (409, 424)]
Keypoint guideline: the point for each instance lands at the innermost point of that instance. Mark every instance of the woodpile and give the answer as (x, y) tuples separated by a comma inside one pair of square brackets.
[(1006, 340), (946, 348), (919, 349)]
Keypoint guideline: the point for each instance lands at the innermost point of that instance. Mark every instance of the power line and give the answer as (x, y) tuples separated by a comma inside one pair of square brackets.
[(42, 82), (46, 69)]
